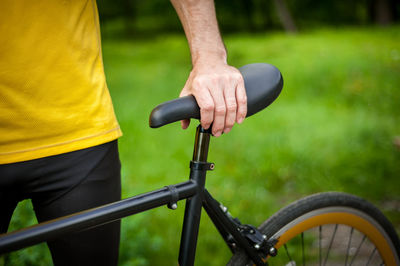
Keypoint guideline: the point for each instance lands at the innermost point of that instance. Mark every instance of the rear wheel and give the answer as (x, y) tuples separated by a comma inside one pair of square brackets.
[(330, 229)]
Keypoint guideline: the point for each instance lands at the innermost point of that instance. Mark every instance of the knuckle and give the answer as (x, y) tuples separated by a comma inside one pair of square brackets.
[(208, 107), (242, 101), (220, 110), (227, 78), (206, 117), (233, 77), (211, 77), (231, 106), (197, 82), (196, 89), (239, 77), (206, 122)]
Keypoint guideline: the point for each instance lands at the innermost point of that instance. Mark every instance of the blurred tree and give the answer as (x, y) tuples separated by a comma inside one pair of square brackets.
[(383, 11), (329, 12), (124, 10), (284, 15), (248, 10), (129, 16)]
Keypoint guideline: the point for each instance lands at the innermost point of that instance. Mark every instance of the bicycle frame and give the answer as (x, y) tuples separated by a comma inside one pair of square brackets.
[(234, 233)]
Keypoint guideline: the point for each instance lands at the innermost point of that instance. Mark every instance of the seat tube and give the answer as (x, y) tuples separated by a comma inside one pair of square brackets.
[(193, 207)]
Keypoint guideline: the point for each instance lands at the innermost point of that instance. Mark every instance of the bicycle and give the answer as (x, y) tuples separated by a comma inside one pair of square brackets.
[(333, 228)]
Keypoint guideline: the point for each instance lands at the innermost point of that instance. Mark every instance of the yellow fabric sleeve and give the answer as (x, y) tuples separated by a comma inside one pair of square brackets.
[(53, 94)]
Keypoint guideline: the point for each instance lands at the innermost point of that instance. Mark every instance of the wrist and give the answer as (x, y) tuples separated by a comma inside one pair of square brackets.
[(216, 56)]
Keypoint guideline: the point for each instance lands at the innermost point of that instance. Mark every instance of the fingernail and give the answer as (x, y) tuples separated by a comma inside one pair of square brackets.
[(227, 130), (240, 120), (217, 134)]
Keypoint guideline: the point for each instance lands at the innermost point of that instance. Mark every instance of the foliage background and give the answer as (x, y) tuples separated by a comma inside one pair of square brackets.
[(334, 127)]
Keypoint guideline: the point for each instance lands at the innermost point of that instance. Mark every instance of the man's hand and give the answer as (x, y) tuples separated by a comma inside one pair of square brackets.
[(219, 91), (217, 87)]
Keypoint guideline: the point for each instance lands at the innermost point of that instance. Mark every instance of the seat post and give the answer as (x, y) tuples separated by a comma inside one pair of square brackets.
[(198, 170), (201, 143)]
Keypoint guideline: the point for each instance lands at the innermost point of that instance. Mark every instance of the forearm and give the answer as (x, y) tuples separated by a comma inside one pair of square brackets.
[(218, 88), (201, 28)]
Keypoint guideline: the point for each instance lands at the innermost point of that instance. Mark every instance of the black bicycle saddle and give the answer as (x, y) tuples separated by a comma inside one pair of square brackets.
[(263, 83)]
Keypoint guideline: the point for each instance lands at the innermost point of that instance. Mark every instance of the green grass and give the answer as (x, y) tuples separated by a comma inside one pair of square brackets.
[(332, 128)]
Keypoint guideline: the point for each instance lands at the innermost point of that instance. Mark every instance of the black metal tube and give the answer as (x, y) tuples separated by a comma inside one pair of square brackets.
[(92, 217), (191, 221), (217, 214), (201, 144), (218, 224)]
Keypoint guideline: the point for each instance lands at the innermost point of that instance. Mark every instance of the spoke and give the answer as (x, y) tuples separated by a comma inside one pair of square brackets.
[(358, 249), (348, 246), (320, 250), (371, 256), (330, 243), (287, 252), (302, 248)]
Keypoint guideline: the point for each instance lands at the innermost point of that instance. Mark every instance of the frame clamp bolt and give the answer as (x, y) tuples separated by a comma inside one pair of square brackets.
[(273, 252), (202, 166), (173, 206)]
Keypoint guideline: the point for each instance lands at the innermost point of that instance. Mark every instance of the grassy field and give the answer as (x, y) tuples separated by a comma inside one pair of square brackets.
[(334, 127)]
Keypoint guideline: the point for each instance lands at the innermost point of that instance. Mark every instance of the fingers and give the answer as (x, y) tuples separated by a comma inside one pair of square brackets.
[(226, 100), (206, 104), (231, 107), (219, 111), (221, 96), (185, 123), (241, 99)]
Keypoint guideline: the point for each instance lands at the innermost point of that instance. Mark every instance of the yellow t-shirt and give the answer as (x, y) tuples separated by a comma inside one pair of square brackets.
[(53, 94)]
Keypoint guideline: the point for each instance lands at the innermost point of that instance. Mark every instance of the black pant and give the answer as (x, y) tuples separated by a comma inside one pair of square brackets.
[(63, 184)]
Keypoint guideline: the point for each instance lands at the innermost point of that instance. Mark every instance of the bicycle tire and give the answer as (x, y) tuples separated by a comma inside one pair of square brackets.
[(349, 213)]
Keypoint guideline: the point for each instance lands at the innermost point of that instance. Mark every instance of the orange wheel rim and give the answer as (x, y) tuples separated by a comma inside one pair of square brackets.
[(344, 218)]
